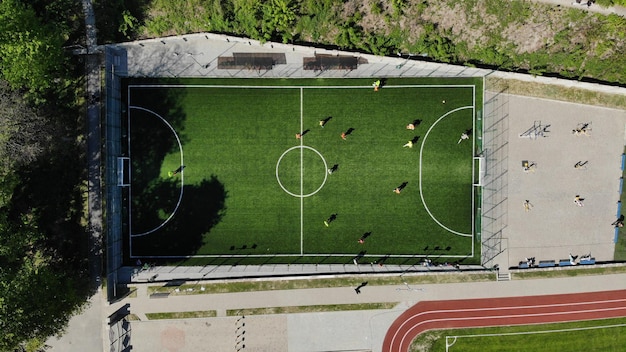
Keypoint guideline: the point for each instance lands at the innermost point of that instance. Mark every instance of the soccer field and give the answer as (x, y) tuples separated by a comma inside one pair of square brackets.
[(250, 189)]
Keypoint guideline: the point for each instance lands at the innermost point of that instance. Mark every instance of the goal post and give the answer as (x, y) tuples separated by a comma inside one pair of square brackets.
[(123, 171), (480, 177)]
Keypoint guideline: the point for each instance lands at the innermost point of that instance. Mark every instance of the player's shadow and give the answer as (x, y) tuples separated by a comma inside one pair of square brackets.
[(200, 209)]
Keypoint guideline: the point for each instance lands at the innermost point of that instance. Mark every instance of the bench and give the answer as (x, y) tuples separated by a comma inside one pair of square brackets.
[(323, 62), (589, 261), (523, 265), (565, 262), (547, 263)]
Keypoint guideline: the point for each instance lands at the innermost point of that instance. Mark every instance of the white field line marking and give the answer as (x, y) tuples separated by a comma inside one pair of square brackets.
[(182, 173), (297, 87), (278, 175), (434, 270), (506, 308), (473, 153), (130, 186), (541, 331), (508, 317), (301, 175), (420, 173)]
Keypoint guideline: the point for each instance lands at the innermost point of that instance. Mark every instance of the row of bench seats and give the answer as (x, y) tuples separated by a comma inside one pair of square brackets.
[(562, 262)]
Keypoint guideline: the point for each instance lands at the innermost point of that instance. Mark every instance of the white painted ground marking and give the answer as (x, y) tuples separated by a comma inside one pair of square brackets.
[(182, 172), (420, 173), (301, 195), (502, 308)]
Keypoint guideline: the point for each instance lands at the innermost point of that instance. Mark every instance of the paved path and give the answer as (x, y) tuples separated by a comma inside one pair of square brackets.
[(360, 330)]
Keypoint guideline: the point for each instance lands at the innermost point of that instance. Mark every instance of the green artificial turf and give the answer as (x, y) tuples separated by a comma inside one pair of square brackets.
[(245, 171), (597, 335)]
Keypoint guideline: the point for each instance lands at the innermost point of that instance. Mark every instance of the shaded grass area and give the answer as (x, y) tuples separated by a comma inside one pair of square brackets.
[(246, 286), (182, 315), (569, 272), (311, 309), (236, 201), (588, 338)]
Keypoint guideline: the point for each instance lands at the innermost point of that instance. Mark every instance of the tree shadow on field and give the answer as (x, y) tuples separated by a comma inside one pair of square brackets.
[(151, 140), (201, 208)]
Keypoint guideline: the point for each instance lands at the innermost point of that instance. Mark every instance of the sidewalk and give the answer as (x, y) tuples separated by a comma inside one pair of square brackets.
[(351, 330)]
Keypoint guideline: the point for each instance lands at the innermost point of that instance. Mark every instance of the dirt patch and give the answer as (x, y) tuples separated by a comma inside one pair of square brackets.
[(465, 22)]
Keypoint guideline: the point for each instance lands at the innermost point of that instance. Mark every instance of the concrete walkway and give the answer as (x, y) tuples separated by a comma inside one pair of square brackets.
[(330, 331)]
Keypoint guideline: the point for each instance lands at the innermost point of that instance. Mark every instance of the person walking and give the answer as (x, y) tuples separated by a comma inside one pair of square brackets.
[(579, 201), (376, 85), (358, 288), (330, 219), (399, 189), (325, 121), (175, 172), (464, 136), (527, 206), (580, 164)]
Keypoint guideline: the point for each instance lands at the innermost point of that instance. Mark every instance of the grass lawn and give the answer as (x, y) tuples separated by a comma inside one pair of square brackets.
[(254, 193), (182, 315), (607, 335), (311, 309)]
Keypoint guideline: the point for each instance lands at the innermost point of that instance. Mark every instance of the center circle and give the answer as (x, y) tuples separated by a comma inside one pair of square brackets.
[(301, 173)]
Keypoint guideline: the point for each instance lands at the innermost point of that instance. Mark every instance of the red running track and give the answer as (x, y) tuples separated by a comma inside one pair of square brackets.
[(429, 315)]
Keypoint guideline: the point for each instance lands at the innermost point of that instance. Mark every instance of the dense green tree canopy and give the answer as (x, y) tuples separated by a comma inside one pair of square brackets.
[(42, 244), (31, 53)]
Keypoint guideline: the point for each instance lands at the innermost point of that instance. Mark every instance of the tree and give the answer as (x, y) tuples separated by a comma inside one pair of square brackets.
[(278, 19), (36, 297), (23, 130), (31, 54)]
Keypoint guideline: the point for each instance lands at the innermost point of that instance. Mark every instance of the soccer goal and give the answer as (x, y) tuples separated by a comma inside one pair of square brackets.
[(481, 170), (123, 171)]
